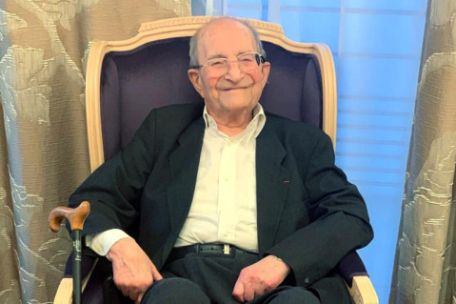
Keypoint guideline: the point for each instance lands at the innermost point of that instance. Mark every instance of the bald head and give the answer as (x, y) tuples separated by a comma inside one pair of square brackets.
[(194, 41)]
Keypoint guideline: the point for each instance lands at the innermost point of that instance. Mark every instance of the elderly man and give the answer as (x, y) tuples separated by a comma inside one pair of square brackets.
[(231, 204)]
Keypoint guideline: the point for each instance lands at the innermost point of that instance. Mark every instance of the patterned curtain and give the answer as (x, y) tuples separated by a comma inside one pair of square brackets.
[(426, 257), (43, 151)]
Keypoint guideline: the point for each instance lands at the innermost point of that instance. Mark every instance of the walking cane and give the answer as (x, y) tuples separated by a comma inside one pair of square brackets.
[(76, 218)]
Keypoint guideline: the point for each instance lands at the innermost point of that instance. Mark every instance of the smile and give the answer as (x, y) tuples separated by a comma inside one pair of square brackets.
[(234, 89)]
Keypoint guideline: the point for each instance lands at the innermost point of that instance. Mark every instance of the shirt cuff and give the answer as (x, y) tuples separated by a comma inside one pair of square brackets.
[(102, 242)]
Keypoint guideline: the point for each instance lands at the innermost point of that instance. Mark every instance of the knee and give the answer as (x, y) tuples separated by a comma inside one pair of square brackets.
[(175, 291), (298, 295)]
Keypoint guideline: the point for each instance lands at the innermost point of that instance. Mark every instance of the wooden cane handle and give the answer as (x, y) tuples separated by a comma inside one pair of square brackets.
[(75, 216)]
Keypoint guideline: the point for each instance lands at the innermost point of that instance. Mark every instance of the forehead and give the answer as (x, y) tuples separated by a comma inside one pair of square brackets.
[(225, 37)]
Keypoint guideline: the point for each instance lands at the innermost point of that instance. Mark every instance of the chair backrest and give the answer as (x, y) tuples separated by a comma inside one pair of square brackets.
[(126, 79)]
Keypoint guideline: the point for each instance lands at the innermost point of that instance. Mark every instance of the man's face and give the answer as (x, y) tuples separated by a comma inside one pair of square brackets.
[(237, 88)]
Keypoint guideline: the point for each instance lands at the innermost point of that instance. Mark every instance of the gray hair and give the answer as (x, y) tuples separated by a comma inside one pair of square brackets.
[(193, 52)]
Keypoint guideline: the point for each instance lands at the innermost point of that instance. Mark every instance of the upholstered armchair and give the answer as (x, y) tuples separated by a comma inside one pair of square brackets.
[(126, 79)]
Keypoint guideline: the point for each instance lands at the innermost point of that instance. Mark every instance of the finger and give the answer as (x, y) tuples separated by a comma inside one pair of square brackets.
[(260, 290), (249, 292), (238, 291), (139, 299), (156, 274), (132, 294)]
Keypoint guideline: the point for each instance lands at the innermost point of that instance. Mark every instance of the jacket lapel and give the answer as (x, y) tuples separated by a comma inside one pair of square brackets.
[(273, 180), (184, 162)]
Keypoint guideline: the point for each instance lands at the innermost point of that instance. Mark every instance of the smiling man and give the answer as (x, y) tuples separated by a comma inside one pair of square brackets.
[(230, 76), (233, 205)]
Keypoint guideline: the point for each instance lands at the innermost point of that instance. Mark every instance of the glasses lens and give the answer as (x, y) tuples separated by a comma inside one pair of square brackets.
[(244, 61), (217, 63)]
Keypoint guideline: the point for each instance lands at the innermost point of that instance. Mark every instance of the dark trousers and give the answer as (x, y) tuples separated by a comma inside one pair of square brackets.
[(210, 279)]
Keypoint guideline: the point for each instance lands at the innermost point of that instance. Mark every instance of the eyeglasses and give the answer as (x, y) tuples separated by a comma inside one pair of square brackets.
[(245, 61)]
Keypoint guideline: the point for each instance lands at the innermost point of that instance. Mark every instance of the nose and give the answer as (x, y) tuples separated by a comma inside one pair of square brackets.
[(233, 73)]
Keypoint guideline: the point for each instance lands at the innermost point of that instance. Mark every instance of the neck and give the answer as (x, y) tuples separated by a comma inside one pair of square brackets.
[(232, 124)]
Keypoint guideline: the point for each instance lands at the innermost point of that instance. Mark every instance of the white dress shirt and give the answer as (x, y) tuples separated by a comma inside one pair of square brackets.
[(223, 208)]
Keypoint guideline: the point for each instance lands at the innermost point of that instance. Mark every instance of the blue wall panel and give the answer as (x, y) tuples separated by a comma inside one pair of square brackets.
[(374, 76), (309, 4), (305, 26), (401, 6), (372, 33), (245, 13)]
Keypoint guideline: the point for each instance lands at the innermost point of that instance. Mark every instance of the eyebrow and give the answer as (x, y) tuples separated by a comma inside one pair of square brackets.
[(218, 55)]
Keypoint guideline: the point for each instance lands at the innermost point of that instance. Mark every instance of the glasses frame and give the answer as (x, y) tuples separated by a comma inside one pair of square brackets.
[(259, 58)]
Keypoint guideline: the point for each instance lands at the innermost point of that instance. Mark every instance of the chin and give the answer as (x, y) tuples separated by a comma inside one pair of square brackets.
[(235, 105), (237, 102)]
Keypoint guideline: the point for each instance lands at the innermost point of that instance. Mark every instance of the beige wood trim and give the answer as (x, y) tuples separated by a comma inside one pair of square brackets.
[(64, 294), (185, 27), (362, 291), (93, 113)]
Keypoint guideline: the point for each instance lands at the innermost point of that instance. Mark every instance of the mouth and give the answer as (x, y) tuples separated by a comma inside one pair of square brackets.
[(234, 88)]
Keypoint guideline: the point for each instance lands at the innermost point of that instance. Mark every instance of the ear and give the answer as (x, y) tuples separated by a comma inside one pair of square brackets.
[(195, 79), (265, 69)]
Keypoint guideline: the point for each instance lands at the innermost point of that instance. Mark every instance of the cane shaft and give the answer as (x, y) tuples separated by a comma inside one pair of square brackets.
[(77, 266)]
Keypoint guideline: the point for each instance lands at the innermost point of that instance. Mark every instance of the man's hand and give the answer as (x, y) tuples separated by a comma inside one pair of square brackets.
[(133, 271), (259, 278)]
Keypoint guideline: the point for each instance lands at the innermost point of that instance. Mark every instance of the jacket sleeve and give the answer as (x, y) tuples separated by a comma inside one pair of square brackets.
[(339, 221), (115, 187)]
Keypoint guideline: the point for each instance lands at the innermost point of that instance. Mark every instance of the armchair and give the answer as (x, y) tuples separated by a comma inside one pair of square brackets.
[(126, 79)]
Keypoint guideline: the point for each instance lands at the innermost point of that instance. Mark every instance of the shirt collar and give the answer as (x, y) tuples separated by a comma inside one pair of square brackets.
[(254, 127)]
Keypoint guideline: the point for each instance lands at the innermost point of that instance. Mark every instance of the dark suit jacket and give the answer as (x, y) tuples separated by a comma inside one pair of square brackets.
[(308, 214)]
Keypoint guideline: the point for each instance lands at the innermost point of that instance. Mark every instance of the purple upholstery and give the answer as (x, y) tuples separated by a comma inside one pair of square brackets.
[(350, 266), (156, 75)]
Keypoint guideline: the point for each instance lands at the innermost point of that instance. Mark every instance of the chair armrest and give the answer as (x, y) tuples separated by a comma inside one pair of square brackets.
[(64, 293), (353, 271), (350, 266), (362, 291)]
